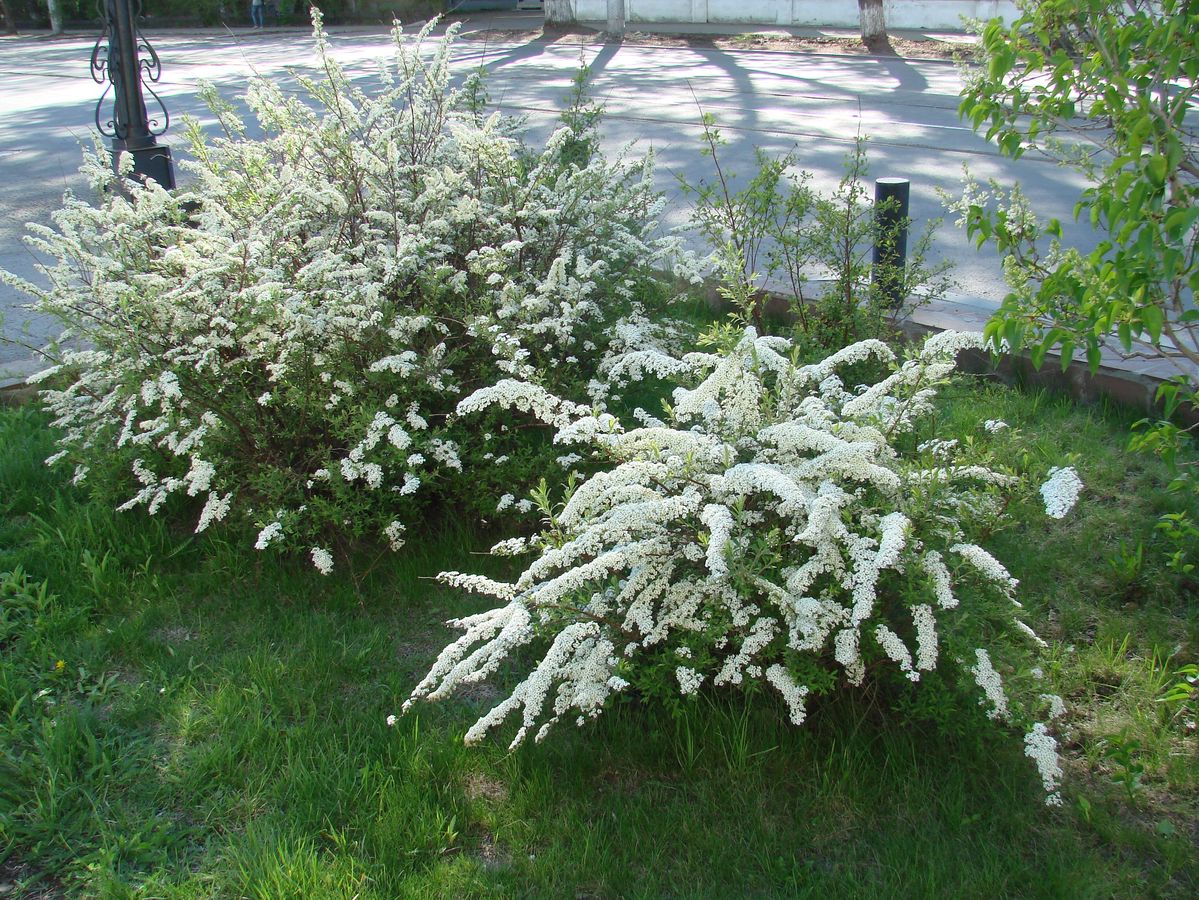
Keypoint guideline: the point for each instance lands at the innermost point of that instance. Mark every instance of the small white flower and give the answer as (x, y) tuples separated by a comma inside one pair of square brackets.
[(510, 547), (1060, 492), (1057, 706), (689, 680), (1032, 635), (394, 534), (793, 694), (938, 447), (215, 509), (269, 534), (323, 560), (414, 419), (391, 720)]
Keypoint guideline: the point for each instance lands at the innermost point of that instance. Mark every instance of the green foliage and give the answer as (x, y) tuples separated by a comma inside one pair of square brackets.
[(1105, 87), (1108, 88), (1182, 696), (581, 116), (1122, 754), (776, 232), (859, 301)]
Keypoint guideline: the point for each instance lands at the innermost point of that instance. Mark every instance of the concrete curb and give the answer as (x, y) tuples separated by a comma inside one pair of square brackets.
[(13, 377), (1130, 383), (1131, 389)]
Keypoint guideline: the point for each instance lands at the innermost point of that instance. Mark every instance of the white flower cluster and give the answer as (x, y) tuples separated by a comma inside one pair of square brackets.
[(1041, 747), (292, 329), (689, 680), (660, 552), (270, 533), (991, 684), (1060, 491), (322, 559)]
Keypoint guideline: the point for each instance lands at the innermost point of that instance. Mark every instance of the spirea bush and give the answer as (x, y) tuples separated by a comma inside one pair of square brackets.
[(284, 339), (778, 528)]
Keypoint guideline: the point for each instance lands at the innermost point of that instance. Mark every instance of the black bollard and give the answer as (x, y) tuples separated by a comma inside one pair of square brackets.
[(128, 62), (891, 201)]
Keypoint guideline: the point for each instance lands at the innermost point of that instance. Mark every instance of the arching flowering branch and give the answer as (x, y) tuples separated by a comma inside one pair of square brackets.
[(771, 531)]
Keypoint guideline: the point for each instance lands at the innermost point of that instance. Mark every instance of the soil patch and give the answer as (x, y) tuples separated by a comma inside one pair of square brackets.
[(484, 787)]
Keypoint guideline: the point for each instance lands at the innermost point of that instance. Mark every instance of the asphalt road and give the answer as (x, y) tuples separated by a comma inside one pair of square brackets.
[(814, 104)]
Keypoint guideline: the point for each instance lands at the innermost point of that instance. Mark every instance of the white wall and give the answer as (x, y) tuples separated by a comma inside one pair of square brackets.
[(926, 14)]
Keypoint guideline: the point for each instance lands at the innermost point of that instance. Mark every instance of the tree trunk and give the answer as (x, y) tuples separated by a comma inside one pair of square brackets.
[(615, 16), (559, 12), (872, 20), (55, 7), (10, 24)]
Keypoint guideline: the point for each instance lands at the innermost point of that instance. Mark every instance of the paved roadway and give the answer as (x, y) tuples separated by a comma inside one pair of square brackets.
[(812, 103)]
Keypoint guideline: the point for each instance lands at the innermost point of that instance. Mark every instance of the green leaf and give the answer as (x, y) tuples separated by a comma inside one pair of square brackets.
[(1067, 352), (1013, 333), (1156, 169), (991, 330), (1153, 318), (1009, 144), (1124, 331), (1179, 221)]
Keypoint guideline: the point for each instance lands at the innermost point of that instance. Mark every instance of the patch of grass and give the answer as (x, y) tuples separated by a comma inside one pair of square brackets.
[(217, 726)]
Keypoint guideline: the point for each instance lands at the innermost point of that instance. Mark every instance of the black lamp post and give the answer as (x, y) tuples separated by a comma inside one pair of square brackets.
[(129, 65), (891, 202)]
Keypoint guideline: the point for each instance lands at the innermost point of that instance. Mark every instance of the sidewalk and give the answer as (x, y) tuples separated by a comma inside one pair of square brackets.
[(475, 23), (1137, 378)]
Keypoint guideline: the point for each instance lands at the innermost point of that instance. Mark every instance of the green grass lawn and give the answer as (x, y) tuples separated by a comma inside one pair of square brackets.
[(186, 718)]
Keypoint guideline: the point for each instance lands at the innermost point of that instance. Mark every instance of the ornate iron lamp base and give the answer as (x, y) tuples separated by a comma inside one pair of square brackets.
[(150, 162), (127, 66)]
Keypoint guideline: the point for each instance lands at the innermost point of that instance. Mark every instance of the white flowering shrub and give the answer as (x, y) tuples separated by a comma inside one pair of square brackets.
[(777, 528), (283, 340)]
